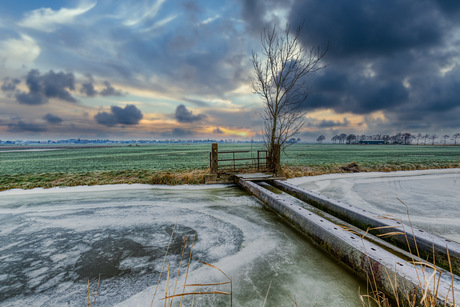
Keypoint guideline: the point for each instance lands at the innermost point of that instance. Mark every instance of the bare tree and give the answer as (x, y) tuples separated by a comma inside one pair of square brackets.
[(406, 138), (342, 138), (456, 135), (351, 138), (433, 137), (418, 137), (426, 136), (281, 70), (445, 137), (335, 138), (320, 138)]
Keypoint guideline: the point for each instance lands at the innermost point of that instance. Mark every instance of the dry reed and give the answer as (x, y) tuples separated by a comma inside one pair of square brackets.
[(430, 294), (92, 297), (169, 296)]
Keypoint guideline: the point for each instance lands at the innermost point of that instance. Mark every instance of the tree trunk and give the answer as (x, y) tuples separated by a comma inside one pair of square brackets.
[(274, 161), (271, 165)]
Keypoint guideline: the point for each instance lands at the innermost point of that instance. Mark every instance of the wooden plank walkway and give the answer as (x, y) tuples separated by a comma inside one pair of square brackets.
[(257, 177)]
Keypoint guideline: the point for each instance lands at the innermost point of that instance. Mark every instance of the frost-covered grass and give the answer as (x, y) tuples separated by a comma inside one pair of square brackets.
[(122, 158), (188, 163)]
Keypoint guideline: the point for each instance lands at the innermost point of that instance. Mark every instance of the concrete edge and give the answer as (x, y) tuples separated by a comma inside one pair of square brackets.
[(426, 242)]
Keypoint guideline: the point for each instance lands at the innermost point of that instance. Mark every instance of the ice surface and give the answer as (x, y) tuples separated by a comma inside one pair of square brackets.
[(53, 241), (111, 187), (432, 196), (32, 149)]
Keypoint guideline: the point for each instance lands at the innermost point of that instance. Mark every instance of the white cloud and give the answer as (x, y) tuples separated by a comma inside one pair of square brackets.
[(46, 19), (148, 13), (210, 19), (18, 52), (161, 23)]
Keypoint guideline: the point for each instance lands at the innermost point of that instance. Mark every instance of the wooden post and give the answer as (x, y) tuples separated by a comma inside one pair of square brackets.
[(258, 159), (214, 159)]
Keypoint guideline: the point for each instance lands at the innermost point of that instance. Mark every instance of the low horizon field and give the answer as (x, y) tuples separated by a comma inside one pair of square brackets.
[(188, 163)]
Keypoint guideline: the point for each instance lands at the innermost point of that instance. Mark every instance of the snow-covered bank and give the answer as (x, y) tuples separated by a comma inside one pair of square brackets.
[(112, 187), (401, 174)]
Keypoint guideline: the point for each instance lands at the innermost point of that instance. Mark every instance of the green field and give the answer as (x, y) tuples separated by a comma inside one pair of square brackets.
[(76, 160), (182, 157), (20, 167), (372, 154)]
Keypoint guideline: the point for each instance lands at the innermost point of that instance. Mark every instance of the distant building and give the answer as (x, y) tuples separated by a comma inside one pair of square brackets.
[(372, 142)]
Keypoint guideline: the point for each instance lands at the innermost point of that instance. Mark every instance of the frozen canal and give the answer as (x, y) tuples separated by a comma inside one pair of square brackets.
[(53, 241), (432, 196)]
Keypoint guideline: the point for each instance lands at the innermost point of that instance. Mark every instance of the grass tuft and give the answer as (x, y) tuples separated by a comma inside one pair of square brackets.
[(49, 180)]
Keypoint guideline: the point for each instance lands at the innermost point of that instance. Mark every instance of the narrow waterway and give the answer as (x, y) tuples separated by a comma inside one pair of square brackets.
[(53, 241)]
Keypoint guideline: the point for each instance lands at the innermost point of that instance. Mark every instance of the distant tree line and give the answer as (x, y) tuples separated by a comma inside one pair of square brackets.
[(399, 138)]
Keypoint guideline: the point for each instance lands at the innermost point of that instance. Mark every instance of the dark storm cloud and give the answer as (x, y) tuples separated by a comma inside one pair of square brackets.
[(183, 115), (49, 85), (21, 126), (52, 119), (129, 115), (384, 56), (31, 98), (350, 93), (450, 7), (109, 90), (178, 133), (217, 130), (196, 102), (369, 28), (435, 102), (9, 85), (87, 88), (259, 13), (331, 123), (106, 119)]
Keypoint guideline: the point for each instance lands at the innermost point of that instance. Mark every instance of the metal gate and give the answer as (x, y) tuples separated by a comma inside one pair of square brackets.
[(239, 160)]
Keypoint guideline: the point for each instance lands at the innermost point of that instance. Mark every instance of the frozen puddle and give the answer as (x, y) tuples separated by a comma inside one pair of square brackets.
[(432, 196), (53, 241)]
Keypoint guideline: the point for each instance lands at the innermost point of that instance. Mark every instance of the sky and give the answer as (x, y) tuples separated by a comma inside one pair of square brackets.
[(173, 69)]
